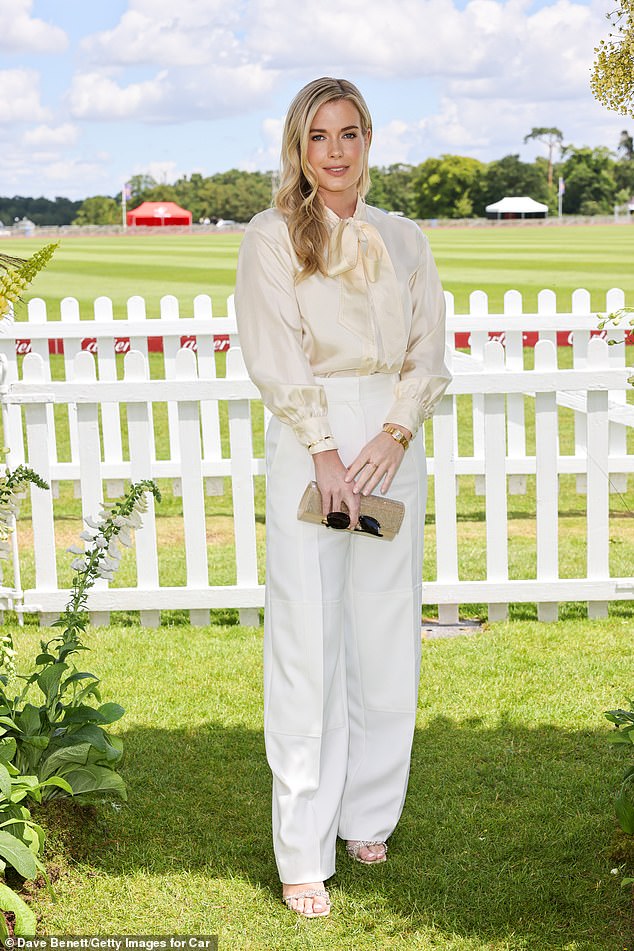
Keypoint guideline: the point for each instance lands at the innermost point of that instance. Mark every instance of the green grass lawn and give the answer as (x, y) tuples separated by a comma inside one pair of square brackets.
[(508, 837), (507, 841), (489, 259)]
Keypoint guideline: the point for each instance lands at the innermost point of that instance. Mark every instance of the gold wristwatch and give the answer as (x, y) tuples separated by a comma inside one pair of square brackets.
[(396, 434)]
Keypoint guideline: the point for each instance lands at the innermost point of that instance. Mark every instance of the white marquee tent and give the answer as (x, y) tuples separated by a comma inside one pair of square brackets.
[(517, 208)]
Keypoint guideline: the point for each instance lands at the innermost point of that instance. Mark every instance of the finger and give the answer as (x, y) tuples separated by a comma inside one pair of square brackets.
[(355, 467)]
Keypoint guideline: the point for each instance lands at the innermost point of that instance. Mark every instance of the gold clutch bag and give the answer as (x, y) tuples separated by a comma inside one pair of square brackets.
[(379, 517)]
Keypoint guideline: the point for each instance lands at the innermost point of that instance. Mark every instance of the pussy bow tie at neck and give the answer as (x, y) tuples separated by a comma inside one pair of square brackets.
[(358, 256)]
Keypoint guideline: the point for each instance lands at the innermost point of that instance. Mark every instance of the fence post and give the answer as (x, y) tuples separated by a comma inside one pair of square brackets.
[(580, 340), (210, 419), (444, 426), (547, 483), (89, 448), (136, 369), (110, 412), (241, 443), (615, 299), (495, 480), (598, 496), (194, 519), (478, 307), (38, 438), (514, 347)]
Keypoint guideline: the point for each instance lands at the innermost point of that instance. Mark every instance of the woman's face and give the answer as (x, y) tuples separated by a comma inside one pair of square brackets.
[(336, 151)]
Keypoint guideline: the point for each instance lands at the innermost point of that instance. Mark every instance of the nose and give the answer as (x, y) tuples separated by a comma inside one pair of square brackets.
[(335, 148)]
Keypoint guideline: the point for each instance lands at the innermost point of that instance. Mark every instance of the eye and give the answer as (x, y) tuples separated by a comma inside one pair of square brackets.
[(317, 137), (350, 135)]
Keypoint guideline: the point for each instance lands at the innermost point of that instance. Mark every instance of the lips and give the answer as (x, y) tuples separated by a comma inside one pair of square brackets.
[(337, 170)]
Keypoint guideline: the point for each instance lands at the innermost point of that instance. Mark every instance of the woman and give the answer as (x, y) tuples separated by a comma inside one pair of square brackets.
[(341, 320)]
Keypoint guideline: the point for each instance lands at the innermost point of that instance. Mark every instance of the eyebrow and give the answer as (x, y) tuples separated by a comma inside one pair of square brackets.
[(346, 128)]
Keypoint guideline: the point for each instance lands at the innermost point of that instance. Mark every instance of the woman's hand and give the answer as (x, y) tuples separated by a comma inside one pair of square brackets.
[(377, 462), (331, 477)]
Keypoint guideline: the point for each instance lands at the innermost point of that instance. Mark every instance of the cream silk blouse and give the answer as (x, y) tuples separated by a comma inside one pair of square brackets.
[(380, 309)]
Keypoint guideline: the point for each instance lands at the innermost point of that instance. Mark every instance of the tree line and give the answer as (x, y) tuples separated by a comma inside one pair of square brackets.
[(451, 186)]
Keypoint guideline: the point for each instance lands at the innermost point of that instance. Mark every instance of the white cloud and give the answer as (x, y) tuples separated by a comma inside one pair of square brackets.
[(20, 97), (53, 171), (161, 171), (156, 32), (97, 96), (63, 135), (20, 32), (170, 96), (267, 157)]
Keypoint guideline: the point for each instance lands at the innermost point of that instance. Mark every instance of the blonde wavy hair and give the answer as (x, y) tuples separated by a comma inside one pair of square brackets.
[(297, 197)]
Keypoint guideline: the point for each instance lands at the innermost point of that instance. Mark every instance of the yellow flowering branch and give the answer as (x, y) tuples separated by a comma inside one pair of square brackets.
[(612, 80), (16, 275)]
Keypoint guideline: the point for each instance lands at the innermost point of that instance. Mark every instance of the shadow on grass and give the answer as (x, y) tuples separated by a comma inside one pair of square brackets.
[(506, 831)]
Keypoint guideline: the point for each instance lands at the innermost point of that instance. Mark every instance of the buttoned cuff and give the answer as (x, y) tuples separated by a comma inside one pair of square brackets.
[(409, 414), (315, 434)]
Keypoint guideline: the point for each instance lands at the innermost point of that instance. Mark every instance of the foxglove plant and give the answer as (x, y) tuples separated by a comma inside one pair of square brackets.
[(64, 737)]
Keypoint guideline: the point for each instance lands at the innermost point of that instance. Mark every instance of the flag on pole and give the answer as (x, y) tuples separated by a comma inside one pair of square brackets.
[(127, 191), (562, 186)]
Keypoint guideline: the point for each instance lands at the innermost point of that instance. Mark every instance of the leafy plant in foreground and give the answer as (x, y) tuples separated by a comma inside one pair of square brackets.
[(624, 736), (64, 736)]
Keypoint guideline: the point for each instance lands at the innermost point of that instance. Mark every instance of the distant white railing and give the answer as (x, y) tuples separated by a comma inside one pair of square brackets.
[(112, 429)]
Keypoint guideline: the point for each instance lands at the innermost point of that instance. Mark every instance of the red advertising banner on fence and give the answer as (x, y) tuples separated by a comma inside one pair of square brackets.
[(122, 344)]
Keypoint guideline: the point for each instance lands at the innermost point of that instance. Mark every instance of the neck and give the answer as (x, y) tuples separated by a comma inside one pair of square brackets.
[(343, 205)]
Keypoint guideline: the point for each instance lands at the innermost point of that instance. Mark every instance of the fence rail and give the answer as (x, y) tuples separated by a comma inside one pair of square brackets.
[(187, 425)]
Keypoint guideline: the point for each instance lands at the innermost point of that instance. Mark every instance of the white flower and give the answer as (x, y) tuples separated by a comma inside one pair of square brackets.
[(87, 536), (79, 564), (91, 522), (125, 538), (75, 550), (100, 541), (120, 521), (113, 549), (105, 573)]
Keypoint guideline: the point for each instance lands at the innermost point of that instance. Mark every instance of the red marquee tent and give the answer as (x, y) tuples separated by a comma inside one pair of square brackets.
[(158, 213)]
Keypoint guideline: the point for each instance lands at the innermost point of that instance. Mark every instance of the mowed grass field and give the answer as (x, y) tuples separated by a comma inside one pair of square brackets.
[(508, 839), (493, 259)]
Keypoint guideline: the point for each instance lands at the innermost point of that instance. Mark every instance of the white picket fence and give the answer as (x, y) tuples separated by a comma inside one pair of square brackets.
[(112, 421)]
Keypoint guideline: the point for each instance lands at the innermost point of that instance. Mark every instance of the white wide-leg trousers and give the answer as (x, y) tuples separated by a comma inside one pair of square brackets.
[(341, 646)]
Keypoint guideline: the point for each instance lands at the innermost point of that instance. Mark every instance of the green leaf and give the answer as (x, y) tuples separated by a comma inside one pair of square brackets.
[(7, 721), (18, 855), (5, 781), (8, 746), (37, 742), (96, 782), (29, 719), (48, 681), (45, 659), (111, 712), (59, 761), (59, 782), (25, 922), (624, 811)]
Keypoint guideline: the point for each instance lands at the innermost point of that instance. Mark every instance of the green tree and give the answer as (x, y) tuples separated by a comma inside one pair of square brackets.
[(509, 176), (552, 138), (99, 210), (446, 187), (626, 146), (612, 80), (393, 189), (591, 186), (139, 185)]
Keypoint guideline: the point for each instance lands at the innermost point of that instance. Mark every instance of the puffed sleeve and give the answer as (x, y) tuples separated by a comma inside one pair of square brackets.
[(269, 324), (424, 375)]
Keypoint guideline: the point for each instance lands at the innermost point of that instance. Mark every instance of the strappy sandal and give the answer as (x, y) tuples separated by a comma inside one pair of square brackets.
[(310, 893), (353, 848)]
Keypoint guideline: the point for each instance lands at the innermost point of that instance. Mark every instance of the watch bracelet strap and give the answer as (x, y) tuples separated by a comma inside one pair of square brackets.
[(396, 434)]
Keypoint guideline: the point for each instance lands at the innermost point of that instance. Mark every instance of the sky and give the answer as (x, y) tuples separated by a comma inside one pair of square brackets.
[(95, 91)]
